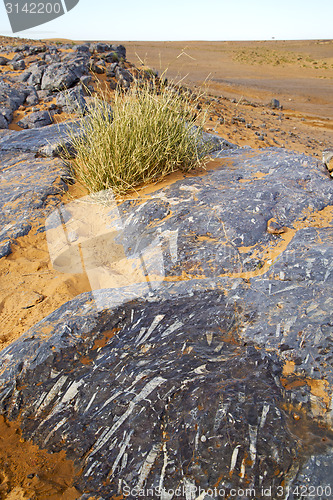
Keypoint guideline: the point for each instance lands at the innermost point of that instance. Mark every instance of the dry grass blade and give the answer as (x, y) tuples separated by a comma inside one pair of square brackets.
[(148, 133)]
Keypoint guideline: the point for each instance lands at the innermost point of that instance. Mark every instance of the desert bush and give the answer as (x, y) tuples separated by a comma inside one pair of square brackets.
[(153, 129)]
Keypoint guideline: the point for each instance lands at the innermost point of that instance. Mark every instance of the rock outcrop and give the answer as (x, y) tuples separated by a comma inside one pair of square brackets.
[(36, 73), (210, 366), (32, 179)]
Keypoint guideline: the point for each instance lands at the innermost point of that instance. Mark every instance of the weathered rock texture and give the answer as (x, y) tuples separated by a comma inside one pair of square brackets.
[(50, 72), (217, 375), (30, 186)]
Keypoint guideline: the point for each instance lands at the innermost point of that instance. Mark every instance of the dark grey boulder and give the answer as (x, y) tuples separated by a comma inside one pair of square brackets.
[(37, 72), (275, 104), (123, 76), (180, 378), (110, 70), (17, 65), (78, 62), (35, 49), (101, 47), (58, 77), (120, 50), (52, 57), (12, 97), (82, 48), (36, 119), (23, 77), (72, 101), (18, 57), (95, 68), (181, 393), (44, 94), (7, 113), (3, 122), (47, 141), (32, 98), (110, 57), (4, 61), (29, 189)]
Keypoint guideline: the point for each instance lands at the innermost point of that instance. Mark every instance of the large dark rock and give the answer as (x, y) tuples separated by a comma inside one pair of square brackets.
[(3, 122), (30, 188), (17, 65), (72, 101), (3, 61), (123, 76), (58, 76), (214, 369), (101, 48), (37, 72), (78, 62), (48, 141), (36, 119), (32, 97), (82, 48), (189, 403), (11, 98)]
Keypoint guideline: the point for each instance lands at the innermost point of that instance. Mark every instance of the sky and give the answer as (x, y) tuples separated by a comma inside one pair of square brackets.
[(185, 20)]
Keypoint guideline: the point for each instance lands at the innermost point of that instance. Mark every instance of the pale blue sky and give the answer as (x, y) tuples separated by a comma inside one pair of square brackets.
[(186, 20)]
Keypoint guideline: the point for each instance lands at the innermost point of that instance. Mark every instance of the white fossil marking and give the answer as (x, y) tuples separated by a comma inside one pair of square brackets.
[(284, 290), (220, 414), (148, 464), (278, 330), (121, 453), (59, 424), (164, 466), (253, 432), (234, 459), (189, 488), (142, 395), (71, 392), (52, 393), (90, 402), (172, 328), (242, 469), (156, 321), (200, 370), (209, 337), (264, 413)]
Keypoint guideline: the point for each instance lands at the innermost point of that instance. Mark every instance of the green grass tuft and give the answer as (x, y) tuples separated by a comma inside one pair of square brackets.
[(148, 134)]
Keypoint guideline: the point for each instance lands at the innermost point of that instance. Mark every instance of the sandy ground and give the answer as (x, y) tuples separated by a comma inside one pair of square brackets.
[(242, 80), (243, 77), (34, 472), (298, 73)]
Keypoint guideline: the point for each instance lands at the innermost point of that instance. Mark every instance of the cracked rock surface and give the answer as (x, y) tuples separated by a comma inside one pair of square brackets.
[(217, 374)]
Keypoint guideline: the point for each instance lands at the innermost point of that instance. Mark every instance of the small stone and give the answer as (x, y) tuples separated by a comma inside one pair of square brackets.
[(275, 228), (328, 159), (3, 122), (275, 104), (32, 299), (95, 68), (36, 119), (17, 65), (4, 61)]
